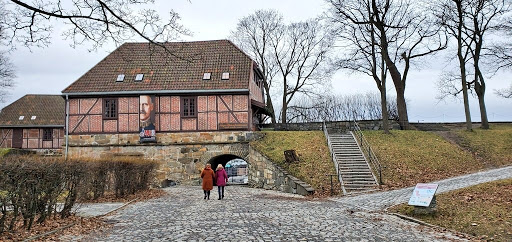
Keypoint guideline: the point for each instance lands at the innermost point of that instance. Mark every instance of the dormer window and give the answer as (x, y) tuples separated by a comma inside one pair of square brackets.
[(207, 76), (225, 76), (120, 78), (139, 77), (33, 118)]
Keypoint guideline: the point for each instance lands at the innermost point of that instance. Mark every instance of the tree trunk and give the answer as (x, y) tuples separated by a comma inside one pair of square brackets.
[(384, 108), (393, 71), (462, 65), (269, 104), (403, 117), (480, 92), (284, 109)]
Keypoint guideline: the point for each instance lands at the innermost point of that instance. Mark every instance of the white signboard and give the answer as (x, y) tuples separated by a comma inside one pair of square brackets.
[(423, 194)]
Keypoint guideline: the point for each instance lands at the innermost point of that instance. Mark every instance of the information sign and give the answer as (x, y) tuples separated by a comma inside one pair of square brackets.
[(423, 194)]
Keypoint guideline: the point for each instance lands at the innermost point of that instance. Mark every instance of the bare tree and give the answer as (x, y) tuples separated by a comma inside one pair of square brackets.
[(506, 93), (361, 53), (501, 52), (7, 73), (339, 108), (253, 35), (452, 18), (301, 52), (472, 22), (7, 76), (404, 32), (31, 24), (95, 21)]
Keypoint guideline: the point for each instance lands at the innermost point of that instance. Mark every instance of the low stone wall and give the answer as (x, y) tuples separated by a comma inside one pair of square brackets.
[(263, 173), (334, 125), (182, 156)]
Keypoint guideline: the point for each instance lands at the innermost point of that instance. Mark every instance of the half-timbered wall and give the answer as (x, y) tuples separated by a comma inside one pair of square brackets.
[(214, 112), (33, 138), (5, 138)]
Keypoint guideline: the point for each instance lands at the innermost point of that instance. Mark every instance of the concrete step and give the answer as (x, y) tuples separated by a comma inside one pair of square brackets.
[(352, 163), (359, 183), (358, 180), (350, 159), (356, 175), (348, 163), (346, 149)]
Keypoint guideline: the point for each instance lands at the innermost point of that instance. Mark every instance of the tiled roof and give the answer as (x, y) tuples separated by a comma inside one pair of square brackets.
[(49, 110), (183, 70)]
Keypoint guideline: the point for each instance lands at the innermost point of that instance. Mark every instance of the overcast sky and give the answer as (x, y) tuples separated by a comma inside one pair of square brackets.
[(49, 70)]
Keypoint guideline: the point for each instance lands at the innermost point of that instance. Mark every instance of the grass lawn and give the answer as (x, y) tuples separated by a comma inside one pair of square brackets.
[(412, 157), (311, 147), (493, 145), (3, 151), (484, 211)]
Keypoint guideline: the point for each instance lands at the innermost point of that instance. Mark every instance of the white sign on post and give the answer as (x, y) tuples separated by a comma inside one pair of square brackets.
[(423, 194)]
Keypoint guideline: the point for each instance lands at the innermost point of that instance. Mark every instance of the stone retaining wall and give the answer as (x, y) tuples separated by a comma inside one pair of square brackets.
[(182, 156), (334, 125), (263, 173)]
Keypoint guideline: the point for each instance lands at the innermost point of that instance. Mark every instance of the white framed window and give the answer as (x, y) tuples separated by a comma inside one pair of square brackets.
[(120, 78), (139, 77), (22, 117), (207, 76), (33, 118), (225, 76)]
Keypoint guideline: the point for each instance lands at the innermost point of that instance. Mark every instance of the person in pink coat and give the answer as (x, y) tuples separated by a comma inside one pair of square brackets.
[(222, 179)]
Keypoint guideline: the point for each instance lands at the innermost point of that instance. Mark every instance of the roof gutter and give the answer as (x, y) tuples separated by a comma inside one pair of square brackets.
[(154, 92), (32, 126)]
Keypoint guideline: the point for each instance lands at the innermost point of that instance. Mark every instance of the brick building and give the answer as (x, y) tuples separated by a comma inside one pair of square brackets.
[(33, 122), (188, 87)]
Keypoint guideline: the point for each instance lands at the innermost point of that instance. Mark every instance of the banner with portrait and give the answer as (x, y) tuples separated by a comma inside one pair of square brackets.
[(147, 118)]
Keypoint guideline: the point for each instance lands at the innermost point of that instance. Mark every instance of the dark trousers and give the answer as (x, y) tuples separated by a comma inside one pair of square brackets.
[(206, 194), (221, 191)]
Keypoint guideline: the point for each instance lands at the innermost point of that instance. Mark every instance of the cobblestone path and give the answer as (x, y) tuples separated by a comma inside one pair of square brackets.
[(254, 215), (258, 215)]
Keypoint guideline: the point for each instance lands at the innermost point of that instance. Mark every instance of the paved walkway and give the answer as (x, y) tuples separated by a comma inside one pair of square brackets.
[(259, 215), (382, 200)]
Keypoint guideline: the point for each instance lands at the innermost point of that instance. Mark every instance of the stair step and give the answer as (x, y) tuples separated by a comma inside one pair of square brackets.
[(359, 184), (353, 165), (358, 180), (357, 173)]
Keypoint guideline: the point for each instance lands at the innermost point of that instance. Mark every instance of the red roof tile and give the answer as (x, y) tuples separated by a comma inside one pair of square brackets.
[(163, 71), (49, 110)]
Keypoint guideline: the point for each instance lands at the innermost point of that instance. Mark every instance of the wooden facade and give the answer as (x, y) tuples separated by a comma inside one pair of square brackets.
[(32, 138), (214, 113)]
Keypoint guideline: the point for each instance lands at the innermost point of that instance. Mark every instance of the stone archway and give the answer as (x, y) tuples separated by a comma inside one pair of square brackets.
[(222, 159), (225, 154), (239, 151)]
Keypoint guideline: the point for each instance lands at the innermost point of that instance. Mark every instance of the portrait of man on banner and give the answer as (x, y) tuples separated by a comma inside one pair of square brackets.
[(147, 118)]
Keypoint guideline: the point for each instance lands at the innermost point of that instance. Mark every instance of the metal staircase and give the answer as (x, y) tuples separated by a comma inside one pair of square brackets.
[(354, 172)]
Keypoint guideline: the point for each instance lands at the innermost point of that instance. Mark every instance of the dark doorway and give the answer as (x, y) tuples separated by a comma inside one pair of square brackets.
[(17, 138), (235, 167)]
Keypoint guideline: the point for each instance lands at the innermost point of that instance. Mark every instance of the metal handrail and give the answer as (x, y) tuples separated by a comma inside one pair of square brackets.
[(368, 152), (333, 157)]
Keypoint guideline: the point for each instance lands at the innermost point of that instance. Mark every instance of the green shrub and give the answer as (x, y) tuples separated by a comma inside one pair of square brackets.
[(31, 186)]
